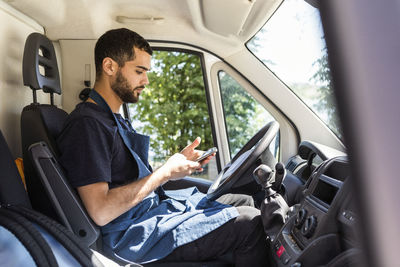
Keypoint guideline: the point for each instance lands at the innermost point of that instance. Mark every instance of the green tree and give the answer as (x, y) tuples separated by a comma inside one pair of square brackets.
[(173, 109), (240, 111), (326, 103)]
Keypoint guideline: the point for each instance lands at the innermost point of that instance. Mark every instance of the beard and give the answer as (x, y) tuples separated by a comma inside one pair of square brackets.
[(124, 90)]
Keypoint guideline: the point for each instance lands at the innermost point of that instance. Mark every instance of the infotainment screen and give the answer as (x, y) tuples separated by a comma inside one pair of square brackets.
[(325, 192)]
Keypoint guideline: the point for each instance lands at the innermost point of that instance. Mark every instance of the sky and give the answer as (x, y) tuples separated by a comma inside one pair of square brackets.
[(292, 40)]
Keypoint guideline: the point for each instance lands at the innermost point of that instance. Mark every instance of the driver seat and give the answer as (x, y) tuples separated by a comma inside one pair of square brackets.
[(49, 193)]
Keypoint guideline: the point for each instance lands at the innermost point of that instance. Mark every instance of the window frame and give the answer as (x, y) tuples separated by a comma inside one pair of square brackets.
[(289, 135), (224, 114)]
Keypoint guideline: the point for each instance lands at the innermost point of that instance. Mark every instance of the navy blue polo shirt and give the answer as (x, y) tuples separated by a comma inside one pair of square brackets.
[(91, 150)]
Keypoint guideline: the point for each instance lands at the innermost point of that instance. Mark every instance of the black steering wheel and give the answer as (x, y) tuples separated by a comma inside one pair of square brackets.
[(246, 157)]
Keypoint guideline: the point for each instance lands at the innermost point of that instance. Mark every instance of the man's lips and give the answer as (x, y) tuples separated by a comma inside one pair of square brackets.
[(139, 89)]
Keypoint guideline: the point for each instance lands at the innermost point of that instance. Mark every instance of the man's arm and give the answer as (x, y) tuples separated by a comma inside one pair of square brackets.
[(104, 204)]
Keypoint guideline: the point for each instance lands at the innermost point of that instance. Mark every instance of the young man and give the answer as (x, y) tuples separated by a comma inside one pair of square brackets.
[(106, 161)]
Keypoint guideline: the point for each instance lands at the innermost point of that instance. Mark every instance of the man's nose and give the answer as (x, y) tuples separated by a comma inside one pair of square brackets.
[(145, 79)]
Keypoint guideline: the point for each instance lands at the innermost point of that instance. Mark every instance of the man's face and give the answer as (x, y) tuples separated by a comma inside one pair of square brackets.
[(131, 79)]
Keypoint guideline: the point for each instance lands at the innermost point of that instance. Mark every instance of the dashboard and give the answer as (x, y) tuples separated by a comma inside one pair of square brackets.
[(319, 230)]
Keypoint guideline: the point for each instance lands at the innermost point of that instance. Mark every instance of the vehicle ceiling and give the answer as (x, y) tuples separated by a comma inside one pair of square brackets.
[(220, 26)]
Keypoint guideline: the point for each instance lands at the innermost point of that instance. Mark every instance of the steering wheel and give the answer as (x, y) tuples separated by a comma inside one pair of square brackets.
[(247, 155)]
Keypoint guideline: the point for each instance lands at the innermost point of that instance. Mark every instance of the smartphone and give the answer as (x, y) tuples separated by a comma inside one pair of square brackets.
[(207, 154)]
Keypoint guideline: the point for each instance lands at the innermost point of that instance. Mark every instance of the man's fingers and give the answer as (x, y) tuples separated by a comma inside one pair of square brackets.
[(195, 165), (193, 145)]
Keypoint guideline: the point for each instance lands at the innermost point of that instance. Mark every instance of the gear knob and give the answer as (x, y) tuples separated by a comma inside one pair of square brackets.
[(263, 175)]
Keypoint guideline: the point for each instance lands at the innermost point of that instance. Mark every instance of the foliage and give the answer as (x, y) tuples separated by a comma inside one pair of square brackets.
[(173, 109), (240, 110), (326, 103)]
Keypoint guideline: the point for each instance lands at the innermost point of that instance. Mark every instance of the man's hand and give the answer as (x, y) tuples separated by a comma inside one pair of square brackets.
[(178, 166), (192, 154), (184, 163)]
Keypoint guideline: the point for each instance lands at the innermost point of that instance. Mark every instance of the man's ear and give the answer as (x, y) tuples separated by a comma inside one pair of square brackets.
[(109, 66)]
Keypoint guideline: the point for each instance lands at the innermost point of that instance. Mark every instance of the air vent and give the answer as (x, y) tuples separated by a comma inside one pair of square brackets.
[(294, 162)]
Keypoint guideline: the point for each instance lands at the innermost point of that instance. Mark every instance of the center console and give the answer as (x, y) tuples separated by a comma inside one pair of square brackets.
[(313, 234)]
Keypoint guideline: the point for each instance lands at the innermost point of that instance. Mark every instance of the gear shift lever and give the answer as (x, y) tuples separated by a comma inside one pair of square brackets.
[(274, 208), (268, 178), (263, 176)]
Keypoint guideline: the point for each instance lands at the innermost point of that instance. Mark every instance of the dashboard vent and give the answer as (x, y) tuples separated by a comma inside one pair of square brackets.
[(294, 162)]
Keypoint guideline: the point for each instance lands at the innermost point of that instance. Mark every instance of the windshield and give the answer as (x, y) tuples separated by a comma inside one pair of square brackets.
[(292, 45)]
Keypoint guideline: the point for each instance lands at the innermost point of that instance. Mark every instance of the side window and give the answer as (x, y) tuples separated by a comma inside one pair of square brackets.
[(244, 116), (173, 108)]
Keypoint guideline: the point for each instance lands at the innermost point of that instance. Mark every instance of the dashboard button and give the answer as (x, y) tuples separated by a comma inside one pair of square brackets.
[(280, 251), (285, 258)]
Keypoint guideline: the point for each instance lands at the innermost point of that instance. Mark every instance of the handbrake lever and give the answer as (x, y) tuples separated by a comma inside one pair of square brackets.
[(280, 173)]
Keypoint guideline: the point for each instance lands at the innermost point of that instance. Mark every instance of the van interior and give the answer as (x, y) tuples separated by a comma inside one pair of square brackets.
[(298, 96)]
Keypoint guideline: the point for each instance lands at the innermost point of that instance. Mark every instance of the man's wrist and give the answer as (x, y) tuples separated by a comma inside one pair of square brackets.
[(164, 173)]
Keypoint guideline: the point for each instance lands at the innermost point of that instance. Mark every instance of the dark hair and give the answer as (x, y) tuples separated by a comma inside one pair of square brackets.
[(118, 44)]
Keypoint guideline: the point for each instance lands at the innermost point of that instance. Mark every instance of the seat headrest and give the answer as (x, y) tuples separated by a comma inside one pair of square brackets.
[(40, 70)]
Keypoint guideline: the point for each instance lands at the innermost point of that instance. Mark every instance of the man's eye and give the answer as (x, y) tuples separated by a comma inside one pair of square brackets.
[(139, 72)]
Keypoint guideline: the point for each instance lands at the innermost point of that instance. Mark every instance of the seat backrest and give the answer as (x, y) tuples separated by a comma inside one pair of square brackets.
[(63, 197), (40, 122), (12, 190)]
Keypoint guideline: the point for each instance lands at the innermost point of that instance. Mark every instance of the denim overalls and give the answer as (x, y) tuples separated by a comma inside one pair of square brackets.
[(164, 220)]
